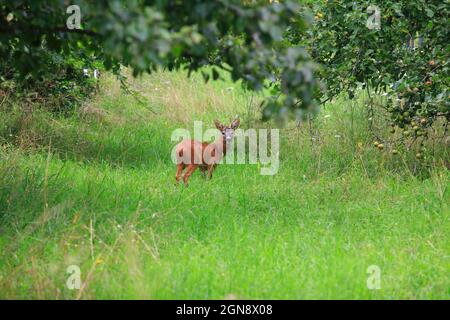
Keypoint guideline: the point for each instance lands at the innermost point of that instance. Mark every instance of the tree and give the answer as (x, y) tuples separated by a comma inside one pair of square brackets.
[(245, 39), (354, 52)]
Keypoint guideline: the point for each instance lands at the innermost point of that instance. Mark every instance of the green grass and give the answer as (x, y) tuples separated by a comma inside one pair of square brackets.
[(97, 190)]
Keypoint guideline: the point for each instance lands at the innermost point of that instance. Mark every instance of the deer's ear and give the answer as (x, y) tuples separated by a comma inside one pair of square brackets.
[(235, 123), (218, 125)]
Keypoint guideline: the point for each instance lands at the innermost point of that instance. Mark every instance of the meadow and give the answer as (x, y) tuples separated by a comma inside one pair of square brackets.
[(95, 189)]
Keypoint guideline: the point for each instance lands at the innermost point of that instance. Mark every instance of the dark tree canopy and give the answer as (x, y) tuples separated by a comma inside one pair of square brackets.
[(245, 38)]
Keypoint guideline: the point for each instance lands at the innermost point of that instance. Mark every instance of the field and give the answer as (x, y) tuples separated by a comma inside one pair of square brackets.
[(95, 189)]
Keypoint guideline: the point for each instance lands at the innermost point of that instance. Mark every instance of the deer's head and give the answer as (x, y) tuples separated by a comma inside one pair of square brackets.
[(227, 131)]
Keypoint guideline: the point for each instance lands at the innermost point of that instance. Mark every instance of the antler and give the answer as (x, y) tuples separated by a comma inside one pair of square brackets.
[(218, 124), (236, 122)]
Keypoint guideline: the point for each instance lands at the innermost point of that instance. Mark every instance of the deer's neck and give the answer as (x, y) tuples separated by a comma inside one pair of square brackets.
[(221, 146)]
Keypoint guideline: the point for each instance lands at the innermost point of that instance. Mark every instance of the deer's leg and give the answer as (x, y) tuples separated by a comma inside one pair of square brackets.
[(210, 170), (179, 171), (203, 169), (190, 169)]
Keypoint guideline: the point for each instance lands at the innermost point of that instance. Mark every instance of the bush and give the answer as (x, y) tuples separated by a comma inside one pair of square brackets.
[(59, 85)]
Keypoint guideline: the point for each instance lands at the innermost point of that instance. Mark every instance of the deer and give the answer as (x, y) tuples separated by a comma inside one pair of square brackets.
[(193, 154)]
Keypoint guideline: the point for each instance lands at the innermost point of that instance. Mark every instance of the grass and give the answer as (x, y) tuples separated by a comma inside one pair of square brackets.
[(96, 190)]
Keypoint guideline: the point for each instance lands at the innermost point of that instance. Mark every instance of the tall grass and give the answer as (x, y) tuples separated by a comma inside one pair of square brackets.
[(96, 189)]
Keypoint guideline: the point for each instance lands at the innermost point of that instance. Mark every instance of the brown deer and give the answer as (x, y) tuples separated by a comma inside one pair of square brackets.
[(193, 154)]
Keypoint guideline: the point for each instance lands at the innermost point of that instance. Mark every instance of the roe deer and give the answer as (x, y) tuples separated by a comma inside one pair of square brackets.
[(193, 154)]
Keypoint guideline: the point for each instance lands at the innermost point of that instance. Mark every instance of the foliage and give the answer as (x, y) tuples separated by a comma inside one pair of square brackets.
[(242, 37), (416, 80), (261, 43), (60, 84)]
